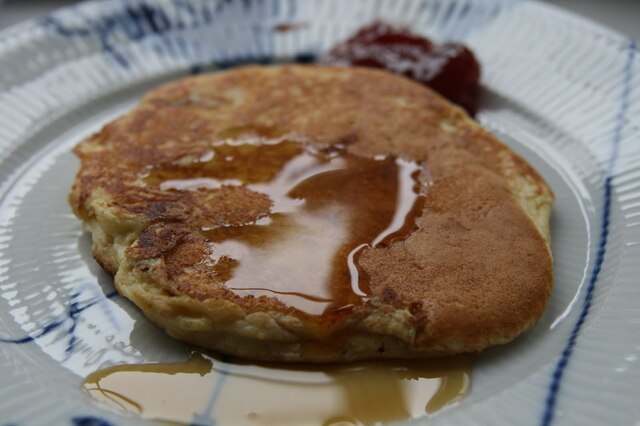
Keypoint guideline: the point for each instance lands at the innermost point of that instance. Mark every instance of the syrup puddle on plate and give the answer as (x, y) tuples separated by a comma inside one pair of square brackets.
[(205, 391)]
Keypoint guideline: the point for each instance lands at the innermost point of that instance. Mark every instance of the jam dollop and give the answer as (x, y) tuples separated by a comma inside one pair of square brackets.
[(449, 68)]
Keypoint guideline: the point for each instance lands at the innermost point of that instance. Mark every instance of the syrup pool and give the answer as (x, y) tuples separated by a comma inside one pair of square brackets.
[(327, 206), (205, 391)]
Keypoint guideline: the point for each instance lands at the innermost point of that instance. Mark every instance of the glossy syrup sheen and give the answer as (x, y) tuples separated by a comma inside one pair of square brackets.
[(204, 391), (327, 206)]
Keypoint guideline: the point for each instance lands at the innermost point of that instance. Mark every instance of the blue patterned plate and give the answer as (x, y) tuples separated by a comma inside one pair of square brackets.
[(563, 92)]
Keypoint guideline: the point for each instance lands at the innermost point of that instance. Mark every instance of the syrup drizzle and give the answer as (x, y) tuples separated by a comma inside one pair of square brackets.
[(348, 394), (327, 207)]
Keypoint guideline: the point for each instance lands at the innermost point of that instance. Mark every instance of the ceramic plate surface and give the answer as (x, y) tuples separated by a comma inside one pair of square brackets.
[(561, 91)]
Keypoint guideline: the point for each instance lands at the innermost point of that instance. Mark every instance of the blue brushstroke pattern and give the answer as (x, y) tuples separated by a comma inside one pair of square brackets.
[(301, 58), (73, 312), (135, 21), (558, 372), (205, 418), (90, 421)]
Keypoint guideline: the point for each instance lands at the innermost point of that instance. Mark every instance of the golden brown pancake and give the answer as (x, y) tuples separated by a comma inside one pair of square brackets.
[(309, 213)]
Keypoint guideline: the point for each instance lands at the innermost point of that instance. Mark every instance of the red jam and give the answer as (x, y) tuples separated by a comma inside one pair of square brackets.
[(449, 68)]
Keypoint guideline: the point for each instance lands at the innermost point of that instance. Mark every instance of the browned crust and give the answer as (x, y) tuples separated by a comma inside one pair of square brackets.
[(478, 271)]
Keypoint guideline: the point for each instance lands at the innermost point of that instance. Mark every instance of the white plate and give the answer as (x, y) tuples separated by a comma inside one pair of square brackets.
[(563, 92)]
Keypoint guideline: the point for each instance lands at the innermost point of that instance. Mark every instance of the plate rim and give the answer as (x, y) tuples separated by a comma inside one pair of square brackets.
[(31, 25)]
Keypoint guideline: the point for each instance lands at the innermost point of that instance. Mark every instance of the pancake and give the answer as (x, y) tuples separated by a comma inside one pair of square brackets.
[(315, 213)]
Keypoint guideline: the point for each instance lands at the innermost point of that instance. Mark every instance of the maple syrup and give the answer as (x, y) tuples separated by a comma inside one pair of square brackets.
[(327, 206), (204, 391)]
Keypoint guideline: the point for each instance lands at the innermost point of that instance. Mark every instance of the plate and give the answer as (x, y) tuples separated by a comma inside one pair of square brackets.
[(562, 91)]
